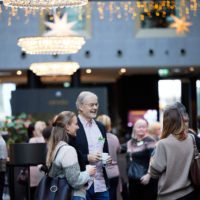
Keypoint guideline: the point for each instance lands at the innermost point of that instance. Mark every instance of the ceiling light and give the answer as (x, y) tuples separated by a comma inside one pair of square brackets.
[(60, 39), (19, 72), (122, 70), (88, 71), (51, 45), (54, 68), (191, 69), (43, 4)]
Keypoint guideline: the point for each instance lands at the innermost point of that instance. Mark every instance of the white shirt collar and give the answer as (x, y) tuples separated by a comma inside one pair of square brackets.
[(85, 122)]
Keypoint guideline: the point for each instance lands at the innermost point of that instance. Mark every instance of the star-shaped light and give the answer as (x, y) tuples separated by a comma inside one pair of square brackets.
[(60, 27), (181, 25)]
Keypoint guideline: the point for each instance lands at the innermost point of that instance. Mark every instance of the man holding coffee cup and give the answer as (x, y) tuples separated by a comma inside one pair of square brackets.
[(91, 141)]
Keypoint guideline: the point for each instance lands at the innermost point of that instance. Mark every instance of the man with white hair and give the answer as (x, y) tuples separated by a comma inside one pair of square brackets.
[(91, 142)]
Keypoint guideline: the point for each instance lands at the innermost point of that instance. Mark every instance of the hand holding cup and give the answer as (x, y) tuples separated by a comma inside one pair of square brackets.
[(91, 169), (94, 157), (106, 158)]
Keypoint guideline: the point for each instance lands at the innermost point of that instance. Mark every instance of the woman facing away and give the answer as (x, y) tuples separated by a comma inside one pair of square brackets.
[(139, 150), (66, 161), (172, 159)]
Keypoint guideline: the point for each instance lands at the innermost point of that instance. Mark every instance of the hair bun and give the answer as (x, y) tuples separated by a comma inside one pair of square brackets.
[(58, 124)]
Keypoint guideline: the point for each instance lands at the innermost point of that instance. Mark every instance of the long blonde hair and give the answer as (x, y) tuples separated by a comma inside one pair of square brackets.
[(58, 133), (173, 123), (137, 123)]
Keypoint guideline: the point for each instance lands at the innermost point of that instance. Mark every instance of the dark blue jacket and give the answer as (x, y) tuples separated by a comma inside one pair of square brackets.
[(82, 143)]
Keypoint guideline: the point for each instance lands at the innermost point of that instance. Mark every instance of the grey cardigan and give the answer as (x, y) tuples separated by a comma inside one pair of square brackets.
[(66, 165)]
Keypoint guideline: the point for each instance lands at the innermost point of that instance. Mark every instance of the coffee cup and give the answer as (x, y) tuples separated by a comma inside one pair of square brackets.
[(105, 157)]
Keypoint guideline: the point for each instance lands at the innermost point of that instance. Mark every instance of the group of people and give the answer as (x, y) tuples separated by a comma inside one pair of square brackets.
[(163, 160), (82, 142), (157, 166), (158, 162)]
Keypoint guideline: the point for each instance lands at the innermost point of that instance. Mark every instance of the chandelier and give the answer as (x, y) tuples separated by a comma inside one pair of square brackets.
[(54, 68), (51, 45), (43, 4), (60, 39)]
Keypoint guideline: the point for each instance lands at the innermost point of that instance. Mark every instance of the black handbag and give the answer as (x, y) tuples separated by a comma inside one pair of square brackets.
[(195, 166), (53, 188), (136, 171)]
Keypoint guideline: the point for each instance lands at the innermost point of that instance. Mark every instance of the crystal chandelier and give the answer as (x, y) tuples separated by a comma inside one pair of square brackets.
[(43, 4), (60, 39), (51, 45), (54, 68)]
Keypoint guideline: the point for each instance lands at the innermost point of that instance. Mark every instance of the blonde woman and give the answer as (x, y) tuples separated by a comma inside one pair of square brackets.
[(66, 162), (114, 149), (139, 150), (155, 130)]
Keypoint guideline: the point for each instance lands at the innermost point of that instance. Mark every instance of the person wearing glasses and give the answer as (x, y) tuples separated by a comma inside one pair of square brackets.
[(91, 142)]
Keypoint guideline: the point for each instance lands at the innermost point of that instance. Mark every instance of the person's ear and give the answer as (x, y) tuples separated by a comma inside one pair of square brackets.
[(81, 108), (67, 128)]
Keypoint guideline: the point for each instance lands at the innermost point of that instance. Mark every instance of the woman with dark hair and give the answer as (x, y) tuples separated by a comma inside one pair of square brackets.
[(66, 161), (172, 159)]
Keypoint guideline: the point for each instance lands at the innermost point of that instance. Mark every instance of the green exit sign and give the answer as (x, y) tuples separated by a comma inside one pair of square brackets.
[(163, 72)]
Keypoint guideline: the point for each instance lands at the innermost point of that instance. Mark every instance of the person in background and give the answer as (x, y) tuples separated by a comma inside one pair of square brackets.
[(30, 131), (154, 130), (185, 115), (46, 133), (114, 149), (139, 151), (3, 159), (91, 141), (66, 161), (35, 173), (186, 119), (174, 151)]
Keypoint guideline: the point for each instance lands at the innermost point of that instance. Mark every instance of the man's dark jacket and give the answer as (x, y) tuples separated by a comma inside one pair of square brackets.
[(81, 145)]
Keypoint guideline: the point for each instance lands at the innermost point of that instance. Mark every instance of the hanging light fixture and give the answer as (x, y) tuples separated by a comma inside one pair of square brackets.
[(43, 4), (51, 45), (59, 40), (54, 68)]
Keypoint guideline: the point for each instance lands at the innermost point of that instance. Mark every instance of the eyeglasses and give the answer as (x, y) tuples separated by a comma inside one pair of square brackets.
[(91, 105)]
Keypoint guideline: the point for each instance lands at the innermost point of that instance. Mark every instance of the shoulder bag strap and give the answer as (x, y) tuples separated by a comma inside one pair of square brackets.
[(196, 153), (55, 156), (129, 147)]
